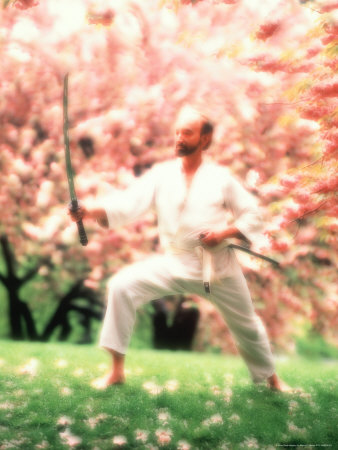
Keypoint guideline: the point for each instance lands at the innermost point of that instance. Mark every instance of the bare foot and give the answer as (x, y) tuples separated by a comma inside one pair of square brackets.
[(108, 380), (276, 384), (115, 378)]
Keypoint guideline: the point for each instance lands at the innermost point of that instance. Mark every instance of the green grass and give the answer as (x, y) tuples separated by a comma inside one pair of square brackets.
[(314, 346), (210, 402)]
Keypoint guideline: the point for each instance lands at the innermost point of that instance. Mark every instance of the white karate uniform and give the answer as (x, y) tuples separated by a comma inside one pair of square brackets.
[(183, 214)]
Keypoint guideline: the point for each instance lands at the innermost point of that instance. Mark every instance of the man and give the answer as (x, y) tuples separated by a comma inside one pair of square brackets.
[(191, 198)]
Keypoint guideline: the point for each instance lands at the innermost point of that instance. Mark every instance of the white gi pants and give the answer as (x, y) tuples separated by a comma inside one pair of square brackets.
[(148, 280)]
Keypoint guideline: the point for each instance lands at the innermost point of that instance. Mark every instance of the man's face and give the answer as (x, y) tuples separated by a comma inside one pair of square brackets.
[(187, 135)]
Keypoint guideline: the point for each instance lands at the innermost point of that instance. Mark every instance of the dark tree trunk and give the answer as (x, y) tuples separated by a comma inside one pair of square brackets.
[(19, 312), (21, 321), (178, 336), (15, 323), (60, 316), (65, 329), (29, 322)]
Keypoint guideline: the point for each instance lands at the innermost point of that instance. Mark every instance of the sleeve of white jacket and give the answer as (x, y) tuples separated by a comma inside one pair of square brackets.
[(247, 214), (125, 206)]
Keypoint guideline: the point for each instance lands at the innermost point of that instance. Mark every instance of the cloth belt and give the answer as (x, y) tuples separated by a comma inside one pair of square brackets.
[(206, 260), (204, 255)]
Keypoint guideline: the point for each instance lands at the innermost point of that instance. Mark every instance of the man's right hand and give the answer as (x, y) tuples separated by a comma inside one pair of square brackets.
[(78, 214), (98, 214)]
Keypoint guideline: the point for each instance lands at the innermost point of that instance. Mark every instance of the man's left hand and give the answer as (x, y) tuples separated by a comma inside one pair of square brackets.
[(211, 238)]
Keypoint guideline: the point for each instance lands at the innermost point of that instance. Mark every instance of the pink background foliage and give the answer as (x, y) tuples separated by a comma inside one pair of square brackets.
[(265, 72)]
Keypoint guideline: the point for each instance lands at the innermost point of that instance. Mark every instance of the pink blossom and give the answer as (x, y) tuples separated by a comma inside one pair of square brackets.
[(329, 89), (70, 439), (289, 181), (315, 111), (64, 421), (328, 38), (25, 4), (216, 419), (330, 149), (7, 405), (330, 184), (120, 441), (328, 5), (102, 367), (23, 169), (66, 391), (250, 442), (332, 136), (313, 51), (227, 395), (252, 178), (302, 195), (293, 428), (141, 435), (152, 388), (163, 436), (270, 191), (45, 193), (331, 25), (78, 372), (43, 271), (163, 417), (295, 211), (183, 445), (210, 404), (30, 368), (172, 385), (307, 235), (293, 405), (305, 395), (229, 378), (234, 418), (14, 181), (332, 63), (43, 444), (61, 363), (268, 63), (266, 30), (99, 383), (91, 283), (104, 17), (216, 390)]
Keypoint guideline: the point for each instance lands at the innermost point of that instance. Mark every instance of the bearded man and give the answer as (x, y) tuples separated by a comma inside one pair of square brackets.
[(192, 197)]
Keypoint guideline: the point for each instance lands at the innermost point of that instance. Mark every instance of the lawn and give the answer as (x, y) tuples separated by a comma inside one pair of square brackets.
[(49, 398)]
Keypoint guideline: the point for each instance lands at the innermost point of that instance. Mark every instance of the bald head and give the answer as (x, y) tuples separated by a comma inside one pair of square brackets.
[(192, 116), (193, 132)]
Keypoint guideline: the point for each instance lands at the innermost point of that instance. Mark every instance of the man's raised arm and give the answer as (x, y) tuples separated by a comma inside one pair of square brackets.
[(96, 213)]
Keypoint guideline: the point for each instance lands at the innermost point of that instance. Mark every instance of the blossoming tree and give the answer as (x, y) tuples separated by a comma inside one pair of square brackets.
[(265, 73)]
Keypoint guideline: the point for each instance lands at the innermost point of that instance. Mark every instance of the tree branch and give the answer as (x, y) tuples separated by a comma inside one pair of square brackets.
[(3, 279), (308, 212), (29, 275), (9, 257), (28, 318), (78, 290), (86, 311)]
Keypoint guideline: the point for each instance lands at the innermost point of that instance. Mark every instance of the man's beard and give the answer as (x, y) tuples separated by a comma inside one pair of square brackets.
[(185, 150)]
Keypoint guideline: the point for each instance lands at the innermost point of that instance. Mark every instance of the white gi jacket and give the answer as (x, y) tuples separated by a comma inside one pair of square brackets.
[(183, 214)]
